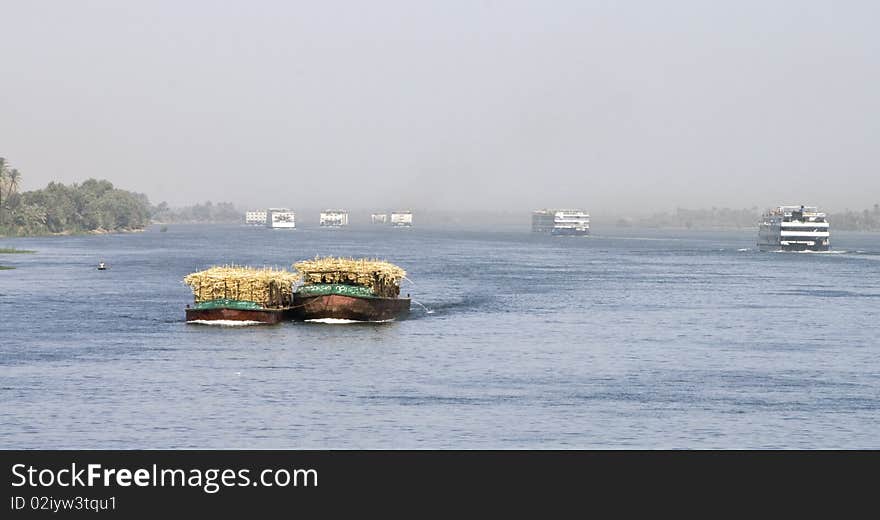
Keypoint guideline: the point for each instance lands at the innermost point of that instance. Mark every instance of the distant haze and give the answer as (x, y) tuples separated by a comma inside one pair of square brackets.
[(449, 105)]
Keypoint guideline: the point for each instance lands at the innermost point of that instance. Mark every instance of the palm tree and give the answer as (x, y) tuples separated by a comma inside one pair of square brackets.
[(2, 177), (11, 178), (14, 178)]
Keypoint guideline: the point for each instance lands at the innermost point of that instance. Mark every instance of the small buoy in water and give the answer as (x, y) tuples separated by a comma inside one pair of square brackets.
[(102, 266)]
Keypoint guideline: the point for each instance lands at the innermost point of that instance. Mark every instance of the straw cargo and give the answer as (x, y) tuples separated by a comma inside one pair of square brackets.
[(240, 294), (349, 289), (382, 278)]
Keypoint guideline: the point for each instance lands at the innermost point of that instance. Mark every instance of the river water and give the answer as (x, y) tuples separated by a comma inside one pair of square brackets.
[(627, 339)]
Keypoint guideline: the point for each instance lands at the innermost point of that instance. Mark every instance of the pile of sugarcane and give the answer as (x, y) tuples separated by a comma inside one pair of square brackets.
[(383, 278), (265, 286)]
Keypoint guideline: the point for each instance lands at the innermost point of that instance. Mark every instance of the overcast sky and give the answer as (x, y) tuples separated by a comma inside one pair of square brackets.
[(612, 106)]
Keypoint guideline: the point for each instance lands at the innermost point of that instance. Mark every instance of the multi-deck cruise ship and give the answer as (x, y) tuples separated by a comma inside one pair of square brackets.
[(561, 221), (255, 218), (280, 218), (334, 218), (402, 219), (794, 228)]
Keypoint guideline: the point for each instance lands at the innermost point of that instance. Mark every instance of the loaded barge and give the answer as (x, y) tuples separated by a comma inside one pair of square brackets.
[(241, 294), (348, 289)]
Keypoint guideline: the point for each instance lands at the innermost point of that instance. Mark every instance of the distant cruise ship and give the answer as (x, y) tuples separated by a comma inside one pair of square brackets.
[(379, 218), (255, 218), (335, 218), (794, 228), (280, 218), (561, 221), (402, 219)]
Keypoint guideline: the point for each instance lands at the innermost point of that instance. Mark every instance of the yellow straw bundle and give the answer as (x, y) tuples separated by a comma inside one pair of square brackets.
[(266, 286), (383, 278)]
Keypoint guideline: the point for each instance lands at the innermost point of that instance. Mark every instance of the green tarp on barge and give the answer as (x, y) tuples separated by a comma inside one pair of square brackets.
[(323, 289), (228, 304)]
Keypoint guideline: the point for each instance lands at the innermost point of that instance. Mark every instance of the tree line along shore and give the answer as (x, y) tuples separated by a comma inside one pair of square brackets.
[(93, 206), (96, 206), (716, 218)]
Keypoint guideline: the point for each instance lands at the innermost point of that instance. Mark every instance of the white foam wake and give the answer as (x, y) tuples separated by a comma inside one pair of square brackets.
[(227, 323), (809, 252), (340, 321)]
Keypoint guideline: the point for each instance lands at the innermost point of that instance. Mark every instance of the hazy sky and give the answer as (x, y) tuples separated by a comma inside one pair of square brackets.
[(613, 106)]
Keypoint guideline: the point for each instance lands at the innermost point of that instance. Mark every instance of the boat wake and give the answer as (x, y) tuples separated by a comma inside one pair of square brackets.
[(427, 310), (227, 323), (340, 321), (833, 252)]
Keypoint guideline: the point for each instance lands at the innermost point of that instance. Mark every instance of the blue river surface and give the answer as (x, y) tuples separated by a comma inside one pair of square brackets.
[(631, 338)]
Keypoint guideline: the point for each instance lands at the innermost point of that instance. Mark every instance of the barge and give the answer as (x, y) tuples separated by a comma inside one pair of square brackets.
[(240, 294), (233, 310), (347, 289), (338, 302)]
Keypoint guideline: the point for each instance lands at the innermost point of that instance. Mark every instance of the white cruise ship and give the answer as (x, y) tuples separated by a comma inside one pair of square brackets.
[(255, 218), (561, 221), (280, 218), (334, 218), (402, 219), (794, 228)]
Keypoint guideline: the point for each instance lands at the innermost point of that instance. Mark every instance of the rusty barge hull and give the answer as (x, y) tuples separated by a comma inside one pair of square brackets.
[(268, 316), (341, 307)]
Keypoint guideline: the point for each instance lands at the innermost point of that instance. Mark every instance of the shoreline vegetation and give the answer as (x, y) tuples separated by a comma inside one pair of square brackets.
[(97, 207), (13, 251), (681, 219), (91, 207), (726, 218), (207, 213)]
